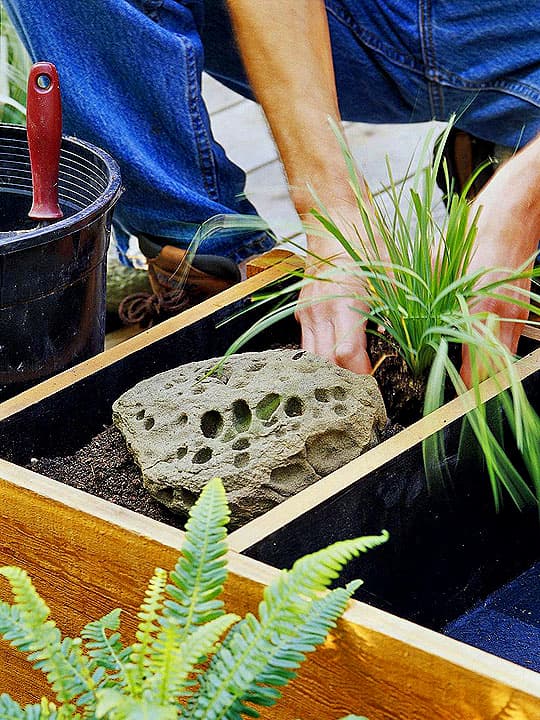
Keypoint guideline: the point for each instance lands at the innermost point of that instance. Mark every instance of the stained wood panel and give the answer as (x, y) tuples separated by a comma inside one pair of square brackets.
[(85, 562)]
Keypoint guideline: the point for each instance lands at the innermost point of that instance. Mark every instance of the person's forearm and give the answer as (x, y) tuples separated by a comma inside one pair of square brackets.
[(286, 49), (527, 167)]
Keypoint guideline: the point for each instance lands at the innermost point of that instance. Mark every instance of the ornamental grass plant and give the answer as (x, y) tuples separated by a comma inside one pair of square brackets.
[(419, 294), (14, 68)]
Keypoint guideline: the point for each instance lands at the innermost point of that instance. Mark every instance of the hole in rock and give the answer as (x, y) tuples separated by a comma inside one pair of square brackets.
[(295, 474), (241, 415), (188, 497), (149, 423), (322, 394), (203, 455), (267, 406), (165, 495), (182, 420), (211, 424), (140, 415), (339, 393), (294, 406), (329, 450), (181, 452), (340, 410), (241, 444), (256, 366), (241, 460)]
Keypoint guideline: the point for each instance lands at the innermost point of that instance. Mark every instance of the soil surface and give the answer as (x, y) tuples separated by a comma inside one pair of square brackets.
[(105, 468), (403, 394)]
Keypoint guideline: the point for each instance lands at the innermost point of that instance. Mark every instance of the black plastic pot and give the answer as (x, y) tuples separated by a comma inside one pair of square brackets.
[(52, 279)]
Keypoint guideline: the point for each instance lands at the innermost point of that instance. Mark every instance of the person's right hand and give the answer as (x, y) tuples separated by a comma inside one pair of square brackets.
[(328, 312)]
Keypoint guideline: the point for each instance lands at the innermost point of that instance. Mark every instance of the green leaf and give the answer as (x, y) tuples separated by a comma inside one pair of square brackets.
[(268, 647), (174, 657), (146, 632), (199, 576), (106, 650), (27, 627)]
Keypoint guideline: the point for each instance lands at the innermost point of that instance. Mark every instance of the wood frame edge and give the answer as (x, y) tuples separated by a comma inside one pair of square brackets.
[(115, 354)]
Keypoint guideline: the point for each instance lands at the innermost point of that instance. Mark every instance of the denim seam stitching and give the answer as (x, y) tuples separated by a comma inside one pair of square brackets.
[(203, 145), (511, 87), (436, 97), (371, 41)]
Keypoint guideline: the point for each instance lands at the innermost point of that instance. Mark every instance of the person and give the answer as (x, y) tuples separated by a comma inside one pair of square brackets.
[(131, 79)]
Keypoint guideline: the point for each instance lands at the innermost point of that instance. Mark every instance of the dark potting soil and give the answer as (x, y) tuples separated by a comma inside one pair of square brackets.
[(106, 469), (403, 394)]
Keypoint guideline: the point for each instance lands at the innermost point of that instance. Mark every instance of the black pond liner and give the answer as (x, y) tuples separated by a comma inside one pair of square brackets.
[(52, 279)]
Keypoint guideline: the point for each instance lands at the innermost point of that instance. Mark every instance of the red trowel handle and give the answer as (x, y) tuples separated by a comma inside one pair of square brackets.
[(44, 131)]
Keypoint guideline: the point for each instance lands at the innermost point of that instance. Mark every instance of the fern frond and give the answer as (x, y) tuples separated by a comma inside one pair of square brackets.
[(69, 712), (312, 573), (173, 661), (26, 627), (201, 571), (284, 612), (146, 631), (107, 655), (114, 705), (28, 600), (11, 710), (45, 710), (284, 660)]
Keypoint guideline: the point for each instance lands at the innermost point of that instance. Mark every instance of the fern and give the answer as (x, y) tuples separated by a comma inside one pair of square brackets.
[(165, 674), (201, 571), (254, 646), (27, 627), (148, 627), (106, 652)]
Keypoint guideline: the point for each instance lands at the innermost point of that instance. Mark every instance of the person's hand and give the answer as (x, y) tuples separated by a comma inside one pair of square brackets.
[(330, 310), (327, 311), (508, 234)]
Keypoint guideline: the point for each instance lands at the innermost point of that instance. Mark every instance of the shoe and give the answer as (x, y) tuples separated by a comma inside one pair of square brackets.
[(464, 154), (175, 285)]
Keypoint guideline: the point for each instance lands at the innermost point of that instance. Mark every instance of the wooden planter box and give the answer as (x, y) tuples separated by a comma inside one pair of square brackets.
[(88, 556)]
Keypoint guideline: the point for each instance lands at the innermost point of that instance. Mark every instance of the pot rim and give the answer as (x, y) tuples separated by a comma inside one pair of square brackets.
[(17, 240)]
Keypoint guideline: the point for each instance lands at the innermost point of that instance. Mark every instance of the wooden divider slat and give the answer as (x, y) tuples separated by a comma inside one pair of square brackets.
[(276, 267)]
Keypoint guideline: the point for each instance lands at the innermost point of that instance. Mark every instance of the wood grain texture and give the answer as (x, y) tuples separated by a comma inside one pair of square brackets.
[(262, 262), (531, 331), (86, 562)]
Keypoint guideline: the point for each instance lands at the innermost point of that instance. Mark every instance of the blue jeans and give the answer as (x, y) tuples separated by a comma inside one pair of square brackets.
[(130, 72)]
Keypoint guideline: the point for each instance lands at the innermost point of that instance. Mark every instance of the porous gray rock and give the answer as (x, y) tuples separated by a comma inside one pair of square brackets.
[(269, 424)]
